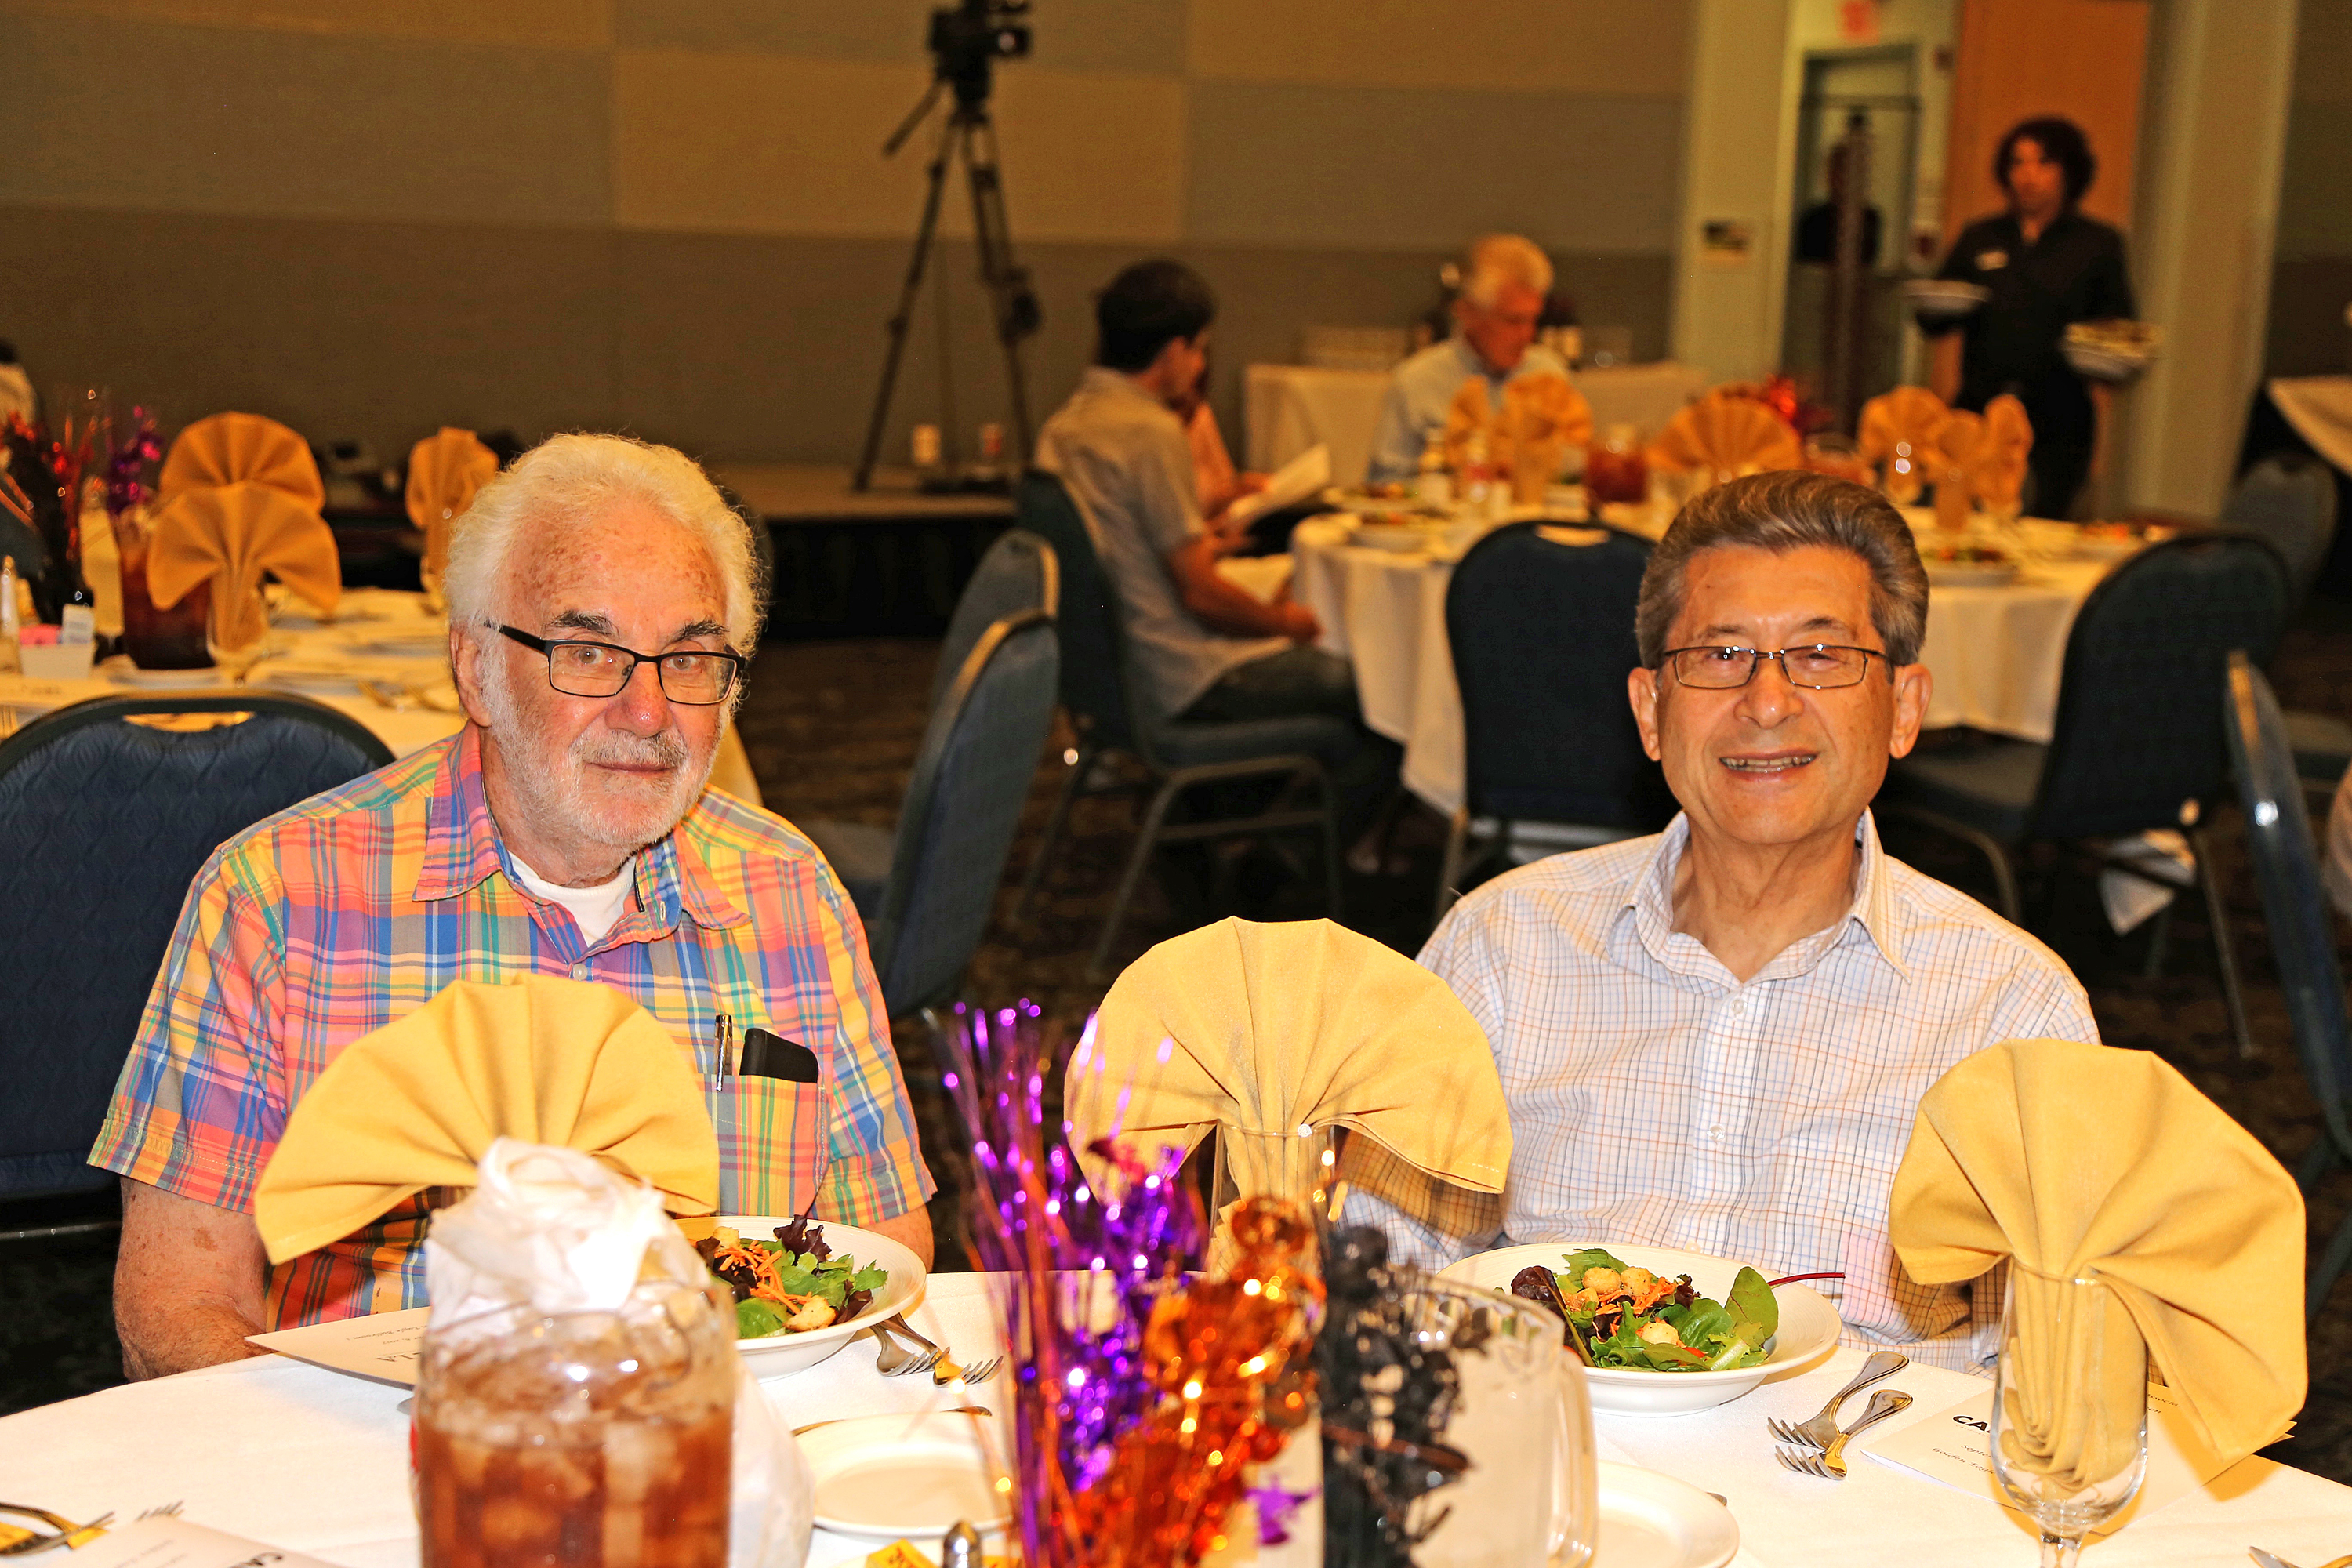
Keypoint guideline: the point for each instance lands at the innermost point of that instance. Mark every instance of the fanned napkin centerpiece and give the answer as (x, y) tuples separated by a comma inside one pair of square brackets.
[(243, 449), (1262, 1029), (230, 535), (2080, 1160), (1998, 479), (1898, 430), (419, 1102), (444, 470), (1727, 435)]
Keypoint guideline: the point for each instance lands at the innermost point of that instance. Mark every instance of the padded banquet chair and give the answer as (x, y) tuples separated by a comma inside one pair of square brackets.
[(924, 889), (2137, 744), (1542, 633), (1017, 575), (103, 824), (2303, 937), (2289, 500), (1176, 757)]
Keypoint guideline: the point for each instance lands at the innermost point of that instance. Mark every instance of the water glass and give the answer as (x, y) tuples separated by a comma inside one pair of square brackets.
[(2070, 1407)]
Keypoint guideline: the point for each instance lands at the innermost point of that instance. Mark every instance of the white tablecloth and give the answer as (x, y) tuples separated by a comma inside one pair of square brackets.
[(1995, 653), (295, 1457), (2320, 409), (1287, 408)]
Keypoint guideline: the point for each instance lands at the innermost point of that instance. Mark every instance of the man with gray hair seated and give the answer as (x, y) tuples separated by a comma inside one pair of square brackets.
[(1714, 1038), (1505, 281), (602, 607)]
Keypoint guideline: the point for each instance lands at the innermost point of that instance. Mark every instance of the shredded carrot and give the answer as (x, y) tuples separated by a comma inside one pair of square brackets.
[(765, 1285)]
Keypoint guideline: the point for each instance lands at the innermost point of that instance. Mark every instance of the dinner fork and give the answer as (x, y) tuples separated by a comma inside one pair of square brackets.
[(69, 1532), (1830, 1466), (945, 1371), (893, 1359), (1822, 1429), (2273, 1560)]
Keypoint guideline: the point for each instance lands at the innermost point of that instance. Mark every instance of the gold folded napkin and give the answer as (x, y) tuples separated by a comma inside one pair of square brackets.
[(444, 470), (1909, 416), (1469, 417), (1727, 435), (1261, 1029), (1998, 479), (2082, 1160), (416, 1104), (230, 535), (243, 449)]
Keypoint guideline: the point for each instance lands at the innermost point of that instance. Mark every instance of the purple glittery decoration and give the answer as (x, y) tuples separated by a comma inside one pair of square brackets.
[(1275, 1504), (126, 464), (1034, 1217)]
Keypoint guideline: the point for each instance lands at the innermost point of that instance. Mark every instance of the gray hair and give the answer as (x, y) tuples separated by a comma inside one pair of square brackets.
[(1495, 260), (1783, 511), (576, 476)]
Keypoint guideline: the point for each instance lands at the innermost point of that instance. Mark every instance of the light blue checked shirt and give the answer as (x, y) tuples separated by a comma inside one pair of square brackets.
[(1656, 1099)]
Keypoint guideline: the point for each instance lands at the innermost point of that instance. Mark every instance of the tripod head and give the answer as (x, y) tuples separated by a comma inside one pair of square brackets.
[(968, 40)]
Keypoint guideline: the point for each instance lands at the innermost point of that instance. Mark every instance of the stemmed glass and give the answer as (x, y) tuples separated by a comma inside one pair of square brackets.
[(2070, 1407)]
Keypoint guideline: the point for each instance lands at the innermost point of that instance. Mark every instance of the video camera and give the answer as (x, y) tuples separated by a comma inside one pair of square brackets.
[(968, 40)]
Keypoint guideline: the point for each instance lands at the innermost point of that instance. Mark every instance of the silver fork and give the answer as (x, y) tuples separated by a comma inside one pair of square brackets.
[(944, 1371), (1830, 1466), (893, 1359), (1822, 1429)]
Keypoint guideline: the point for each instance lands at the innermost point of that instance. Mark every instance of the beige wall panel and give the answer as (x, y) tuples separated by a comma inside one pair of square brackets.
[(2021, 59), (544, 24), (752, 144), (1637, 47), (1097, 34), (1389, 169), (282, 123)]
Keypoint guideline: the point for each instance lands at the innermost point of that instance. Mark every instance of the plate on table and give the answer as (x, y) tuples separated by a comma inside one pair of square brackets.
[(904, 1476), (1968, 566), (122, 672), (317, 679), (1653, 1520), (2115, 541), (780, 1355), (1400, 537), (405, 645), (1809, 1326)]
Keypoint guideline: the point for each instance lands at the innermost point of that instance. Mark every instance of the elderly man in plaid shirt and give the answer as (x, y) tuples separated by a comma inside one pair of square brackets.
[(601, 599), (1714, 1038)]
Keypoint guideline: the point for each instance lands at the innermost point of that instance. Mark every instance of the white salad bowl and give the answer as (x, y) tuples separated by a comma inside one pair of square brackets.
[(780, 1355), (1809, 1327)]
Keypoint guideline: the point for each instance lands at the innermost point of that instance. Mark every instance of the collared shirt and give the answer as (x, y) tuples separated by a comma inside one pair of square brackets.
[(2072, 271), (1128, 465), (356, 907), (1421, 391), (1656, 1099)]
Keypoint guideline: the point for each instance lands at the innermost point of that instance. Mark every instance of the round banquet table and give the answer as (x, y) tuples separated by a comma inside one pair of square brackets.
[(1995, 652), (380, 638), (245, 1448)]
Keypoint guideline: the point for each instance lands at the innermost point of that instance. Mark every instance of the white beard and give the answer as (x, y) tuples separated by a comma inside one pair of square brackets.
[(554, 792)]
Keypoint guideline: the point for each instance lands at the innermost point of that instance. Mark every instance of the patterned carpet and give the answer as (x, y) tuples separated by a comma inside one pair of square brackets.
[(832, 730)]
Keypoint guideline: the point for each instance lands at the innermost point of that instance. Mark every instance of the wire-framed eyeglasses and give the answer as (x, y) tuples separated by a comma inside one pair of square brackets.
[(1818, 667), (578, 667)]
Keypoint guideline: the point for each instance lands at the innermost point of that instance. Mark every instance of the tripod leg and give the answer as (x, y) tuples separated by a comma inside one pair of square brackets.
[(937, 174), (1007, 281)]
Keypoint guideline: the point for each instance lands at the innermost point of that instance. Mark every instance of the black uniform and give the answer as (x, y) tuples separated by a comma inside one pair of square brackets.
[(2074, 272)]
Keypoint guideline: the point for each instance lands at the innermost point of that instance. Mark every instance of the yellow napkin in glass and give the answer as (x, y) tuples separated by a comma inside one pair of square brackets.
[(230, 535), (2085, 1160), (1269, 1028), (243, 449), (1908, 416), (1998, 479), (444, 470), (1728, 436), (416, 1104)]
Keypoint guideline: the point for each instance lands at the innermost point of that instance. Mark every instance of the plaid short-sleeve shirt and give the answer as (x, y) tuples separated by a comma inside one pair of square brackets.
[(1656, 1099), (356, 907)]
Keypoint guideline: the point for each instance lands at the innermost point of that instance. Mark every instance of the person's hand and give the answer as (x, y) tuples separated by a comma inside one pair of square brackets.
[(1247, 485), (1226, 535), (1298, 622)]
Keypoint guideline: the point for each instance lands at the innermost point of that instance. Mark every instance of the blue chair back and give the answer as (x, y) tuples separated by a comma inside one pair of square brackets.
[(963, 803), (103, 825), (1020, 574), (2140, 721), (2287, 501), (1542, 634), (1087, 618)]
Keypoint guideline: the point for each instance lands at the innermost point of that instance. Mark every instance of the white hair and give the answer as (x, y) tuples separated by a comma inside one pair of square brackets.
[(1497, 260), (577, 476)]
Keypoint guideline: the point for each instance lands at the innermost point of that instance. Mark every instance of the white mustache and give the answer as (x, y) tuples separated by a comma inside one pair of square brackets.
[(631, 751)]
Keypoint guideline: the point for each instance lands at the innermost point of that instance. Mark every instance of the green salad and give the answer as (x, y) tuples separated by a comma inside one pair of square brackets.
[(793, 1284), (1622, 1316)]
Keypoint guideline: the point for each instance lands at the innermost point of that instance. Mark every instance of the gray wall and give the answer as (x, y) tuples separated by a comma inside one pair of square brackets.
[(371, 217), (2311, 273)]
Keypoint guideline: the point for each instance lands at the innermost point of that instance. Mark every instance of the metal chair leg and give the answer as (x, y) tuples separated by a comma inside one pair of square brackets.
[(2225, 950), (2159, 937), (1146, 838), (2004, 875), (1449, 872), (2326, 1270), (1331, 849), (1054, 823)]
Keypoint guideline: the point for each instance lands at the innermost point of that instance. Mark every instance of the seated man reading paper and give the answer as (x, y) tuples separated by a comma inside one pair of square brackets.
[(601, 600), (1714, 1038)]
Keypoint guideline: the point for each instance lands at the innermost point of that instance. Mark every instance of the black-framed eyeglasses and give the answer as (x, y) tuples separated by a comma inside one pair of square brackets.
[(577, 667), (1818, 667)]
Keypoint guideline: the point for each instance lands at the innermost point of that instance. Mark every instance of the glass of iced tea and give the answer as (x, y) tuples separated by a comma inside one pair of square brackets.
[(585, 1439)]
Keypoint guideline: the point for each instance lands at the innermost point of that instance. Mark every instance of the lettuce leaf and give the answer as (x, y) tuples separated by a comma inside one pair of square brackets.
[(1572, 1272), (1752, 1302)]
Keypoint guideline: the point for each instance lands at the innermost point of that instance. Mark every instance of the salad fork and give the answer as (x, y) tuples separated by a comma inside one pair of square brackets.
[(892, 1359), (944, 1370), (69, 1533), (1830, 1466), (1822, 1429)]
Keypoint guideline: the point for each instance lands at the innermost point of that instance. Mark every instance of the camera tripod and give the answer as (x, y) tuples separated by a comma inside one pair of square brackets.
[(969, 137)]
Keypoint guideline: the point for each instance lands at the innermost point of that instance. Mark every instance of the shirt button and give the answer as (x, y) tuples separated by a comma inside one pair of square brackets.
[(579, 972)]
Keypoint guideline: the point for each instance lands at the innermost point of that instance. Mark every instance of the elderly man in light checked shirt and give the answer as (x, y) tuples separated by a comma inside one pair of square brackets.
[(1714, 1038)]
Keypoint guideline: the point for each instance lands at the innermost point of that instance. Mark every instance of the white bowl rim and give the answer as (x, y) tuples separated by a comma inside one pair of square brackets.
[(886, 1301)]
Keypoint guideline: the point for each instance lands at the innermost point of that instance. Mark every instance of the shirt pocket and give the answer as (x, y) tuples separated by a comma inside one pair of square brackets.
[(775, 1141)]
